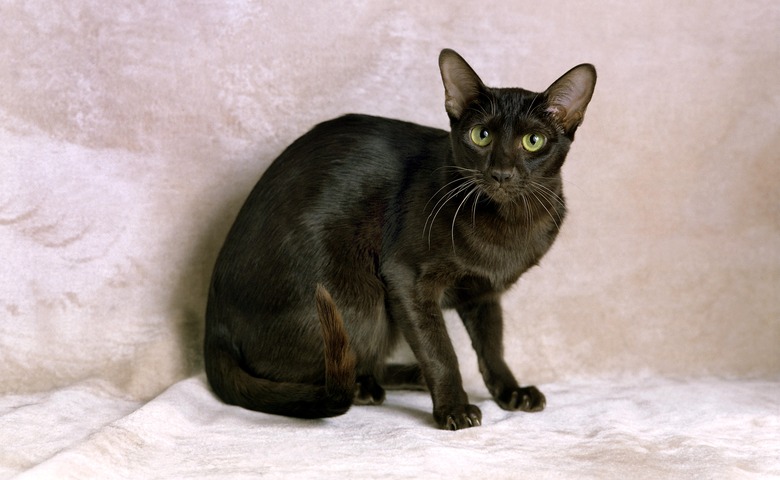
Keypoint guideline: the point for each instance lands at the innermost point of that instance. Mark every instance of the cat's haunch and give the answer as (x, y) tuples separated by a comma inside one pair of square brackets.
[(365, 228)]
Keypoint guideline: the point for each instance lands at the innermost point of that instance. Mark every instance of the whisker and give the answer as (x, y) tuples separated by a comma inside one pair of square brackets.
[(576, 186), (543, 192), (527, 224), (551, 194), (460, 179), (441, 203), (464, 181), (456, 168), (474, 209), (455, 216), (541, 202), (447, 196), (493, 106), (533, 107)]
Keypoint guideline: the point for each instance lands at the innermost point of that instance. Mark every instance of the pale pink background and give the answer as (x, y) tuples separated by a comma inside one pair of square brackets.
[(131, 132)]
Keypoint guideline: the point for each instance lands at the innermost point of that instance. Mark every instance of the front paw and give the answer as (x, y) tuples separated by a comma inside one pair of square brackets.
[(526, 399), (458, 417)]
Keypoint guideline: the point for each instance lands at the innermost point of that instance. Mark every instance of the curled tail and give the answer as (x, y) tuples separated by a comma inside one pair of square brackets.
[(234, 385)]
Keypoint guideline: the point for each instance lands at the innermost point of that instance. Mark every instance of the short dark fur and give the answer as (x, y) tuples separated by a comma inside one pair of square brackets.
[(396, 221)]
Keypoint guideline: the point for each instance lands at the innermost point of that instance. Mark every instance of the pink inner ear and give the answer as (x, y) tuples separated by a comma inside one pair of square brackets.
[(569, 96), (452, 106), (568, 120), (557, 111)]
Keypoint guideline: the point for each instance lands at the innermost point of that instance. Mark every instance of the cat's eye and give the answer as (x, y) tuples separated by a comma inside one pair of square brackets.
[(480, 135), (533, 142)]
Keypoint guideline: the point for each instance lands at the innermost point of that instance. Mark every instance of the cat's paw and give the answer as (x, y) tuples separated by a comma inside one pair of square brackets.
[(458, 417), (526, 399), (368, 391)]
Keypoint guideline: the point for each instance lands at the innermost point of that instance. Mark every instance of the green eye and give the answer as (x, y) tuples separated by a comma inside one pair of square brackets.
[(480, 135), (533, 142)]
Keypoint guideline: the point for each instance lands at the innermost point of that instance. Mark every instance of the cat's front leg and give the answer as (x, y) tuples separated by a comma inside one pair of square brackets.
[(484, 323), (423, 326)]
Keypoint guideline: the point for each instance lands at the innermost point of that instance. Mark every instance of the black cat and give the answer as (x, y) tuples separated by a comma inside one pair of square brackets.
[(366, 227)]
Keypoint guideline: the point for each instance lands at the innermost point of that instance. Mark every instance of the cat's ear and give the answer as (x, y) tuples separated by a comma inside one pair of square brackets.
[(461, 84), (568, 97)]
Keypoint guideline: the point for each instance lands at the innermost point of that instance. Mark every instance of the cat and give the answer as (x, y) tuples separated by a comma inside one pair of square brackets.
[(365, 228)]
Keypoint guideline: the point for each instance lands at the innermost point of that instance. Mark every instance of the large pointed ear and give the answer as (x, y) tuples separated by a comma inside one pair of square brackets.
[(461, 83), (568, 97)]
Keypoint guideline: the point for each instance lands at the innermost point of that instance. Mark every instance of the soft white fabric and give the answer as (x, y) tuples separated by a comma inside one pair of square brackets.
[(645, 427), (131, 132)]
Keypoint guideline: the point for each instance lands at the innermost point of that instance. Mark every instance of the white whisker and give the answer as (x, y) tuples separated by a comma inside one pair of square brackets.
[(440, 205), (474, 209), (528, 224), (541, 202), (455, 216), (548, 191), (460, 179)]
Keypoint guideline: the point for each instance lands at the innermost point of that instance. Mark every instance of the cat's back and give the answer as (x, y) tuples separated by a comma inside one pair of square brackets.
[(332, 172), (358, 125), (343, 160), (358, 140)]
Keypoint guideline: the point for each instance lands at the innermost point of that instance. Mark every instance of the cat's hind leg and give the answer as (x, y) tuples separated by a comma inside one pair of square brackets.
[(368, 391), (395, 377), (404, 377)]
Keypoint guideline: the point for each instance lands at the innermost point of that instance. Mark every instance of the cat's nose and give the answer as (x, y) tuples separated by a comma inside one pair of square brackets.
[(502, 175)]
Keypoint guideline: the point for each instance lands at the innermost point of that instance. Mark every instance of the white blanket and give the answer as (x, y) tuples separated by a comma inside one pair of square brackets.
[(131, 132), (643, 428)]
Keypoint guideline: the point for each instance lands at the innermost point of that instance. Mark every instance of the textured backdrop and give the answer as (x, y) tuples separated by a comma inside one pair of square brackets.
[(131, 132)]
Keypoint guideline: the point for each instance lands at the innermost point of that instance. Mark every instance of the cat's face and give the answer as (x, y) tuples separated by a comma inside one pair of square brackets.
[(510, 142), (506, 142)]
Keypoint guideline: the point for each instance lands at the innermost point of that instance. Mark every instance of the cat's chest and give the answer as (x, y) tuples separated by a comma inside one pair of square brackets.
[(502, 251), (481, 265)]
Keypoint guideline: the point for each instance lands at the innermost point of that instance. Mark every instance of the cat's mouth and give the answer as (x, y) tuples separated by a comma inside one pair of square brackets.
[(501, 192)]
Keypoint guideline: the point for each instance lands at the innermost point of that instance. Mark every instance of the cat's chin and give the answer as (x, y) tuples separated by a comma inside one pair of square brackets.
[(501, 195)]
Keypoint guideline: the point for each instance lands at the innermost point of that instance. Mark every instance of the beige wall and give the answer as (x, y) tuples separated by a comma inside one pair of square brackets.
[(130, 134)]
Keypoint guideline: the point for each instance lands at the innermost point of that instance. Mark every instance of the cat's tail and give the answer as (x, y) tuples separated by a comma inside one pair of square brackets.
[(339, 359), (234, 385)]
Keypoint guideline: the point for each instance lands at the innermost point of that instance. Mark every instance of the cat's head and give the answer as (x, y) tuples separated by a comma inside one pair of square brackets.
[(509, 138)]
